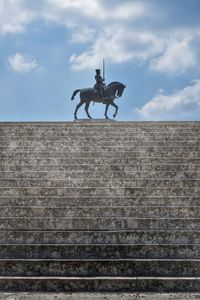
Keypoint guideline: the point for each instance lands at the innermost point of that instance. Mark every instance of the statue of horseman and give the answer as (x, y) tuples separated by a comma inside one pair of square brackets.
[(100, 93)]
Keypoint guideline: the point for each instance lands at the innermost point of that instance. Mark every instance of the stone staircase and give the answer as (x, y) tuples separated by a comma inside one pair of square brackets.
[(100, 206)]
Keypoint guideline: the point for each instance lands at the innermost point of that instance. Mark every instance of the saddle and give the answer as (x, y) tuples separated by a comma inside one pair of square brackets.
[(97, 87)]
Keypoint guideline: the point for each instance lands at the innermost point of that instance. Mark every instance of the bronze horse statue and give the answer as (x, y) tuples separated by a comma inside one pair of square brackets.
[(113, 91)]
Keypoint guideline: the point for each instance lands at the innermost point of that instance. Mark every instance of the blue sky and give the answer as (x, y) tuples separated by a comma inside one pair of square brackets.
[(49, 48)]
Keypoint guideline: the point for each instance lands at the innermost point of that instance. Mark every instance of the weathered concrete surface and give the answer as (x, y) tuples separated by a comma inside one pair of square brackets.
[(100, 206), (95, 296)]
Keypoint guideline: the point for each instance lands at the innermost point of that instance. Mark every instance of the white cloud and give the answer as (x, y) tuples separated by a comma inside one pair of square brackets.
[(177, 58), (13, 16), (87, 7), (107, 46), (184, 103), (22, 63), (117, 47), (128, 10), (164, 52), (109, 29), (83, 35), (98, 9)]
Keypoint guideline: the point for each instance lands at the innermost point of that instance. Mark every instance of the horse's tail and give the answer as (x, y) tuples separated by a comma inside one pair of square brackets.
[(74, 94)]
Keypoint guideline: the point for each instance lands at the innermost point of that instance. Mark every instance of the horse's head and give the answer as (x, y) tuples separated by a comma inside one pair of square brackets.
[(117, 88), (120, 90)]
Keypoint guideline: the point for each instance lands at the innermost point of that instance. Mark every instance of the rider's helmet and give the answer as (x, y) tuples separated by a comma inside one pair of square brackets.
[(98, 71)]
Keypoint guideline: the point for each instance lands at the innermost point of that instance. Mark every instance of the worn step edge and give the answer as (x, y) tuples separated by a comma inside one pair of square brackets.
[(98, 218), (67, 139), (101, 231), (100, 284), (96, 178), (102, 197), (99, 259), (101, 187), (91, 172), (95, 147), (96, 245), (98, 296), (99, 206), (120, 162), (98, 277)]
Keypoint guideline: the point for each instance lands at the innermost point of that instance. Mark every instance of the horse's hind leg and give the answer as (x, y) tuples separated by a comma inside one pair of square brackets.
[(77, 108), (116, 109), (106, 110), (86, 109)]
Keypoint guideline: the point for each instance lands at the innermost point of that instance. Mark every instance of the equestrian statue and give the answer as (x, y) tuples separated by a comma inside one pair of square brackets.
[(100, 93)]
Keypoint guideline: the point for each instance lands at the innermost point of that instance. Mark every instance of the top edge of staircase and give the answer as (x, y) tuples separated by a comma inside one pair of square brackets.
[(97, 121)]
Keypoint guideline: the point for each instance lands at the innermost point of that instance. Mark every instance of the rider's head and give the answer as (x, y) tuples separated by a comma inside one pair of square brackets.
[(98, 71)]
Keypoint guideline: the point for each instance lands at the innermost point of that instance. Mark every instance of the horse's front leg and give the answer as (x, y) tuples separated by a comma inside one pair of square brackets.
[(77, 107), (106, 110), (86, 109), (116, 109)]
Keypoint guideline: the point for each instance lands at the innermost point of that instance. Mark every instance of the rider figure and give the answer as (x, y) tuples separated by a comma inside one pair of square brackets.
[(99, 84)]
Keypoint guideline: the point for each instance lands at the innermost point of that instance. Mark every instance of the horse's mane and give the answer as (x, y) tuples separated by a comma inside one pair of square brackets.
[(114, 82)]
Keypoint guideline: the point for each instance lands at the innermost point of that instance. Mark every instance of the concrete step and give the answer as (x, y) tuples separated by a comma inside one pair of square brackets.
[(100, 284), (112, 174), (106, 161), (114, 151), (76, 143), (99, 211), (131, 165), (95, 137), (100, 223), (158, 191), (100, 138), (84, 125), (102, 182), (100, 201), (62, 251), (119, 161), (135, 237), (98, 296), (118, 267)]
